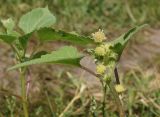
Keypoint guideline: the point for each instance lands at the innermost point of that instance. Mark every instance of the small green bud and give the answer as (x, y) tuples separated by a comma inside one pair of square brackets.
[(111, 64), (107, 79), (113, 55), (107, 49), (21, 52)]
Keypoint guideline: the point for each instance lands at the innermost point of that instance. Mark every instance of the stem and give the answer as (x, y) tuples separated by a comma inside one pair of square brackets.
[(91, 72), (117, 100), (22, 78), (16, 51), (93, 107), (94, 115), (23, 92), (104, 100), (116, 75)]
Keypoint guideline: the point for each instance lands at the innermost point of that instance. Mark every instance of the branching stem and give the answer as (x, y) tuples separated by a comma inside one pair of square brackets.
[(113, 91)]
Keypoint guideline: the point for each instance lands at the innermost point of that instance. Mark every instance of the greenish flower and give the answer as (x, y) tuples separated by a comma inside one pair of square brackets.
[(100, 51), (100, 69), (119, 88)]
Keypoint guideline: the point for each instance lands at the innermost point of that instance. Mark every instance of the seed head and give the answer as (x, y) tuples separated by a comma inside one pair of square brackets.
[(119, 88), (100, 69), (99, 36), (100, 51)]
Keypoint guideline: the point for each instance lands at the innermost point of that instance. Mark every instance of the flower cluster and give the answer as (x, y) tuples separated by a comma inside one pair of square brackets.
[(103, 53), (105, 58), (99, 36)]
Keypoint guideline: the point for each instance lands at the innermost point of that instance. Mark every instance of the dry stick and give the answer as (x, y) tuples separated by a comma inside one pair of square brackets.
[(111, 86), (154, 104), (82, 88), (28, 83), (70, 104), (150, 100)]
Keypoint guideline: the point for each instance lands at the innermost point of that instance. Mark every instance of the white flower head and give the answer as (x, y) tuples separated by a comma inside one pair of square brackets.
[(99, 36)]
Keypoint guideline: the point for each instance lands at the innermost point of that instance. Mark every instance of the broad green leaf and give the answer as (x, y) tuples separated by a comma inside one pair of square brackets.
[(65, 55), (49, 34), (8, 24), (7, 38), (36, 19), (120, 43)]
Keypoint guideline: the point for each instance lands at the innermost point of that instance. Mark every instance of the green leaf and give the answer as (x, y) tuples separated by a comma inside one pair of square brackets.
[(65, 55), (8, 24), (24, 40), (36, 19), (39, 54), (120, 43), (7, 38), (49, 34)]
